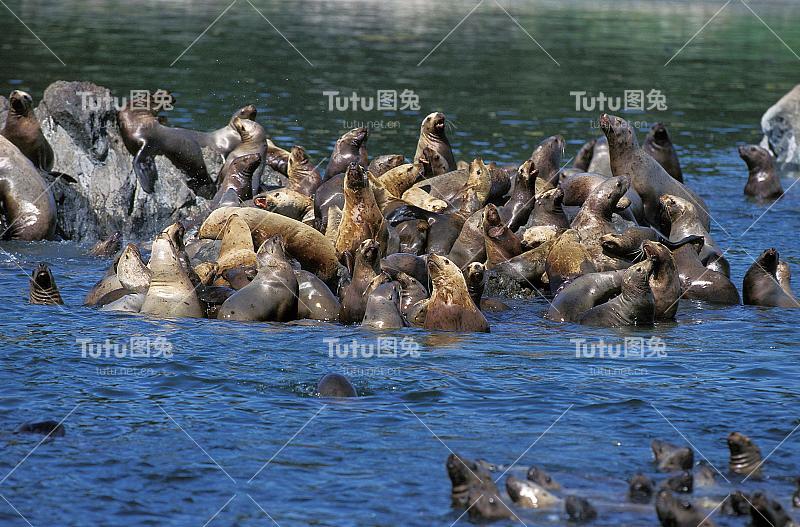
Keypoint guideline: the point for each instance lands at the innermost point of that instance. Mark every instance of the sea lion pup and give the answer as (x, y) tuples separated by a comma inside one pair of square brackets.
[(671, 458), (583, 293), (451, 308), (640, 488), (518, 208), (237, 176), (23, 130), (145, 137), (584, 156), (303, 175), (601, 160), (765, 512), (253, 141), (648, 178), (27, 201), (43, 288), (530, 495), (237, 249), (473, 489), (335, 385), (762, 180), (383, 308), (352, 292), (681, 219), (171, 292), (635, 305), (316, 301), (350, 148), (108, 247), (273, 293), (658, 144), (361, 216), (761, 286), (501, 242), (745, 455), (595, 219), (432, 135), (132, 272), (675, 513), (382, 164), (286, 202)]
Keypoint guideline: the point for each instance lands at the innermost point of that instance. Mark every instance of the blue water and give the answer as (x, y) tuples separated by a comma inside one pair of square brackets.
[(176, 441)]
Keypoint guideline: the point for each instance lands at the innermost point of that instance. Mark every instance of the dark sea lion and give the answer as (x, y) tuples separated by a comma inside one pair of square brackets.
[(108, 247), (383, 308), (237, 175), (579, 509), (738, 504), (675, 513), (470, 245), (382, 164), (212, 297), (171, 292), (48, 428), (335, 385), (451, 308), (680, 219), (548, 211), (225, 139), (303, 175), (43, 288), (542, 478), (528, 268), (474, 489), (628, 245), (765, 512), (670, 458), (648, 177), (316, 301), (236, 278), (658, 144), (475, 277), (411, 291), (796, 495), (640, 488), (432, 135), (350, 148), (761, 286), (635, 305), (745, 455), (547, 159), (763, 181), (276, 157), (529, 495), (352, 292), (361, 217), (665, 281), (413, 236), (273, 293), (682, 482), (584, 156), (583, 293), (414, 266), (501, 242), (23, 130), (577, 187), (595, 220), (253, 141), (699, 282), (26, 200), (518, 208), (145, 137)]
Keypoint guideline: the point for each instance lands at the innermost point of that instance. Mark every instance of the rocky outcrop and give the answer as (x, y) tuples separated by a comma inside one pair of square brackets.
[(107, 197), (3, 111), (781, 127)]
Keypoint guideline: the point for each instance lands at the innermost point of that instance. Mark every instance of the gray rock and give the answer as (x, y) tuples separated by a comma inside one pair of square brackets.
[(3, 111), (781, 127), (107, 198), (502, 285)]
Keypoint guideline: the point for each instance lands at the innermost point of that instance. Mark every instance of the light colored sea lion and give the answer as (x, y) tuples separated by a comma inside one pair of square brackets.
[(451, 308), (658, 144), (566, 259), (419, 198), (699, 282), (745, 456), (361, 216), (350, 148), (285, 202), (432, 135), (315, 299), (109, 282), (108, 247), (130, 303), (382, 164), (334, 220), (23, 130), (352, 292), (253, 141), (784, 276), (530, 495), (206, 272), (171, 292), (302, 173), (273, 293), (601, 159), (237, 249), (763, 181), (383, 308), (25, 197), (635, 305), (132, 272), (401, 178), (305, 243), (43, 288), (335, 385), (237, 176), (535, 236), (761, 286), (584, 156), (583, 293), (225, 139), (450, 187), (547, 159), (648, 177)]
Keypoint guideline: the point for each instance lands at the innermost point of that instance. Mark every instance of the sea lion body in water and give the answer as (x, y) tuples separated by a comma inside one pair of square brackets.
[(745, 455), (648, 177), (171, 292), (665, 281), (761, 286), (671, 458), (658, 144), (763, 181), (674, 513), (273, 293), (25, 197), (43, 288), (316, 301), (353, 292), (350, 148), (383, 308), (132, 272), (361, 217), (584, 293), (765, 512), (226, 139), (23, 130), (335, 385), (451, 308), (681, 219), (108, 247), (432, 135), (474, 489), (635, 305), (237, 176), (699, 282)]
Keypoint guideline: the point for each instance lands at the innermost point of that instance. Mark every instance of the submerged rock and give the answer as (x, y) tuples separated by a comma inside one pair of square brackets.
[(781, 127)]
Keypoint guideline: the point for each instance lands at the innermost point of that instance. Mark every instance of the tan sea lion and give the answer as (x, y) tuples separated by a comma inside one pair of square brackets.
[(171, 292), (763, 182), (658, 144), (303, 175), (350, 148), (23, 130), (286, 202), (382, 164), (361, 217), (401, 178), (566, 259), (25, 197), (132, 272), (745, 456), (432, 135), (108, 283), (470, 245), (43, 288), (237, 249), (451, 308)]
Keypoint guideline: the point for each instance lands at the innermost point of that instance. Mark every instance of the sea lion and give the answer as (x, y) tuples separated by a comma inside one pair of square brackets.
[(432, 135), (206, 272), (665, 282), (674, 513), (335, 385), (542, 478), (352, 292), (474, 489), (761, 286), (315, 299), (763, 181), (640, 488), (411, 292), (584, 156), (475, 277), (414, 266), (253, 141), (383, 308), (566, 259), (23, 130), (237, 176), (518, 208), (25, 197), (628, 245), (681, 219), (145, 137), (48, 428), (583, 293), (682, 482), (579, 509), (595, 220), (225, 139), (451, 308), (171, 292), (670, 458), (237, 249), (578, 186), (451, 186), (635, 305), (547, 160), (382, 164), (273, 293), (286, 202), (529, 495), (658, 144), (501, 242), (699, 282), (108, 283), (132, 272), (129, 303), (745, 456), (108, 247), (601, 159), (413, 236), (784, 276), (303, 175), (648, 177), (765, 512), (276, 157), (548, 211), (350, 148), (361, 216), (529, 268), (43, 288), (401, 178)]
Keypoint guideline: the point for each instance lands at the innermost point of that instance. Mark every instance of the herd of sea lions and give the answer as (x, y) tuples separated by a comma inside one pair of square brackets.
[(474, 489)]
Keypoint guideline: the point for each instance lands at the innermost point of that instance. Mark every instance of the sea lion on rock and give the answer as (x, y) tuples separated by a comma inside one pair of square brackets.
[(276, 157), (674, 513), (762, 180), (273, 293), (303, 175), (529, 495), (451, 308), (108, 247), (316, 301), (432, 135), (382, 164), (566, 259), (286, 202), (25, 197), (253, 141), (43, 288), (761, 286), (547, 159), (335, 385), (361, 217), (501, 242), (635, 305), (518, 208), (670, 458), (23, 130), (171, 292), (658, 144), (350, 148), (225, 139), (237, 249), (237, 176), (745, 455), (595, 220), (681, 219), (601, 159), (578, 187), (527, 269), (584, 156), (383, 308), (413, 265)]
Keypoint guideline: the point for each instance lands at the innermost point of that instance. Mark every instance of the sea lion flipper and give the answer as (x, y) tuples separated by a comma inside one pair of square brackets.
[(144, 164)]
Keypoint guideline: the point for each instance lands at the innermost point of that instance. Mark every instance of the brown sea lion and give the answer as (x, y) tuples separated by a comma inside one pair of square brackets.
[(171, 292), (335, 385), (23, 130), (382, 164), (601, 159), (470, 245), (595, 220), (578, 186), (237, 175), (583, 293), (635, 305), (665, 281), (501, 242), (432, 135), (671, 458), (765, 512), (761, 286), (584, 156), (25, 197), (674, 513), (237, 249), (745, 456), (547, 159), (451, 308), (43, 288), (108, 247), (566, 259), (253, 141), (225, 139), (276, 157), (680, 219), (361, 217), (415, 266), (352, 292), (518, 208), (699, 282), (548, 211), (450, 187), (763, 181), (303, 175), (474, 489), (658, 144), (383, 308), (528, 269), (350, 148)]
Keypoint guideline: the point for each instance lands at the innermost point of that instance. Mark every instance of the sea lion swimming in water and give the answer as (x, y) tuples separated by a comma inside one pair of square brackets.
[(383, 308), (658, 144), (474, 489), (670, 458), (699, 282), (350, 148), (335, 385), (352, 292), (432, 135), (451, 308), (132, 273), (674, 513), (745, 455), (25, 197), (23, 130), (635, 305), (763, 181), (43, 288), (171, 292), (761, 286)]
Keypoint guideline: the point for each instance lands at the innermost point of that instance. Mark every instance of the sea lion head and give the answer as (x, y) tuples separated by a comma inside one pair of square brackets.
[(549, 151), (475, 273), (21, 102), (745, 456), (658, 254), (355, 138), (617, 245), (609, 196), (636, 277), (434, 124), (527, 173), (356, 177), (672, 511), (248, 129), (768, 261), (672, 208), (335, 385), (175, 233), (755, 157), (369, 252), (617, 131), (492, 222), (247, 112), (298, 156), (740, 444), (446, 277), (551, 200), (542, 478), (272, 252), (659, 135), (42, 278)]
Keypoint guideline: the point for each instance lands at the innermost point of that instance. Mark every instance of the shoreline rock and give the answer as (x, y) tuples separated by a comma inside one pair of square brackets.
[(781, 127)]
